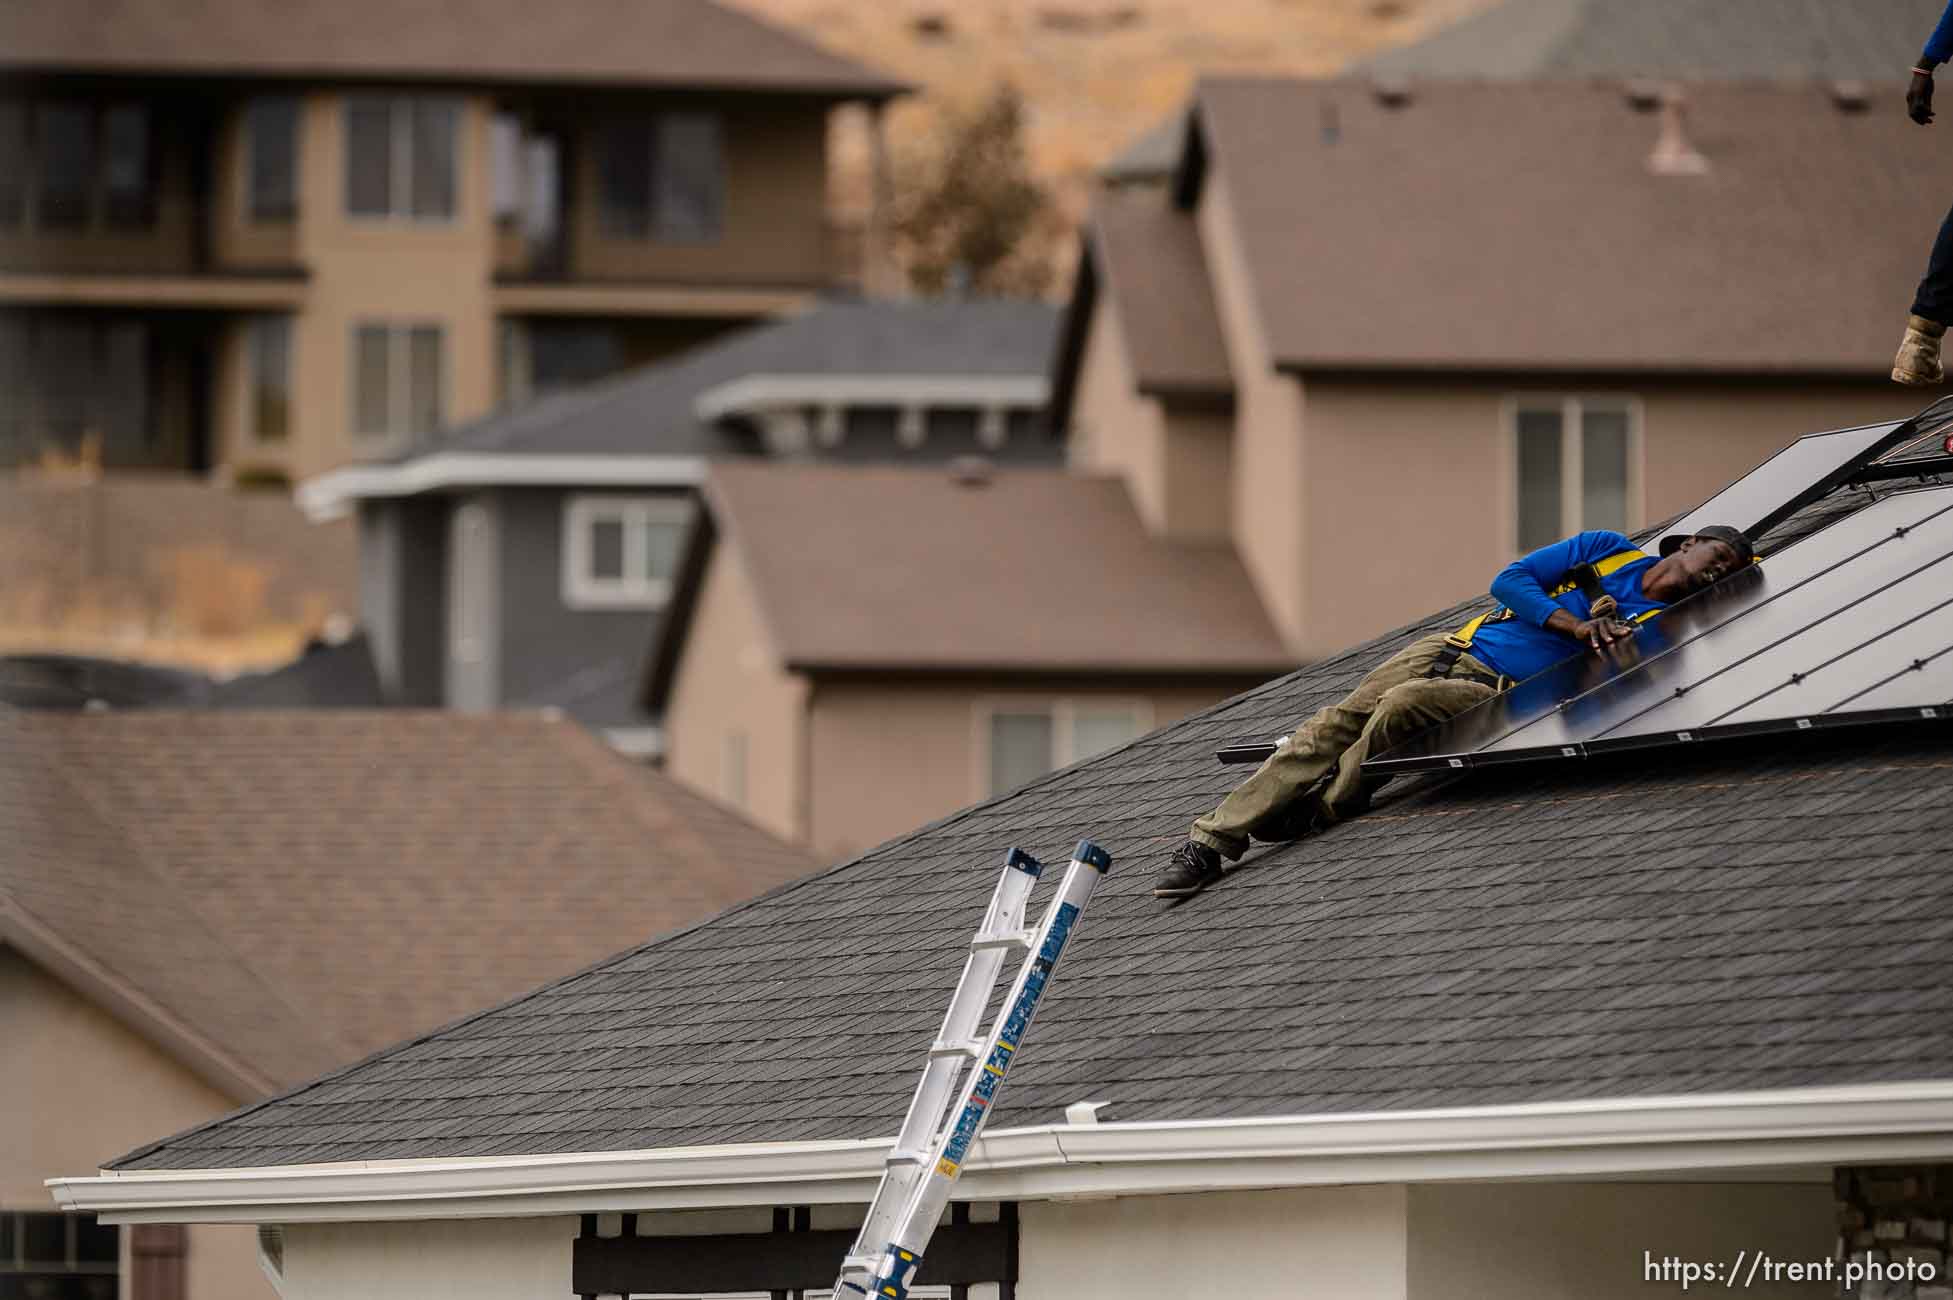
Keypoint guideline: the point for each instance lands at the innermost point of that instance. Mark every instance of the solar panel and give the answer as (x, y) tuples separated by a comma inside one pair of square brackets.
[(1801, 473), (1851, 625)]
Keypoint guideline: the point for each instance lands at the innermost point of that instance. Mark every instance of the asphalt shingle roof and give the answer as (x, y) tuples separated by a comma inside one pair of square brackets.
[(649, 410), (1462, 229), (1721, 918), (1868, 40), (637, 43), (347, 878)]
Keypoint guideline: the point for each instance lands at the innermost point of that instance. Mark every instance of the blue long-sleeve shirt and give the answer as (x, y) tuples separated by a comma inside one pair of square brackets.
[(1521, 645), (1939, 46)]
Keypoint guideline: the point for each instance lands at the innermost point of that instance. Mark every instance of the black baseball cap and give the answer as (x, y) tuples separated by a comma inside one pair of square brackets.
[(1733, 537)]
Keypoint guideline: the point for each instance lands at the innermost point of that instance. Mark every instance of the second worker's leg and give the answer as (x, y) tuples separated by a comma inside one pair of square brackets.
[(1918, 360)]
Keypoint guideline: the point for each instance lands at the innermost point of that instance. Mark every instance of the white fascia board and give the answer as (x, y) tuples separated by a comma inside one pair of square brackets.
[(763, 392), (1874, 1123), (328, 495)]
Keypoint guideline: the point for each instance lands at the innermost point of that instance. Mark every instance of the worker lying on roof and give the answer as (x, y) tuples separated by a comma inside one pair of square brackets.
[(1588, 589)]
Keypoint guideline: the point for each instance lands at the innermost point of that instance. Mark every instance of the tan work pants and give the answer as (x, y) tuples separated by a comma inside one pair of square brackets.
[(1395, 702)]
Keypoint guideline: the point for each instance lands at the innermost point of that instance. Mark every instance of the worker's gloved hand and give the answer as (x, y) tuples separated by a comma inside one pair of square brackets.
[(1598, 632), (1919, 98)]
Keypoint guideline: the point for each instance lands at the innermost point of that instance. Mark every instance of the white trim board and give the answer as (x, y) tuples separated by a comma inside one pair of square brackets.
[(328, 495), (1788, 1129)]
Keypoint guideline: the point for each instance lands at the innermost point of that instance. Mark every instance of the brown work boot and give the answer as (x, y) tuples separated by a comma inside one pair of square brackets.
[(1918, 360)]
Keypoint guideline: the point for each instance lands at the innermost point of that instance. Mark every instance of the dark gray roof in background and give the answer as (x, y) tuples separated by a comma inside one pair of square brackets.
[(1867, 40), (1724, 918), (649, 410)]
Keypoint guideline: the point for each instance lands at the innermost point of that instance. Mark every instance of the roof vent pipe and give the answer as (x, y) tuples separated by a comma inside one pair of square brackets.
[(1643, 96), (1851, 96), (1391, 92), (1674, 155), (971, 471)]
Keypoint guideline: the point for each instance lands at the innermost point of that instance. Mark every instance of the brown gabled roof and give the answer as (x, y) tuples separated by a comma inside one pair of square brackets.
[(1143, 262), (1520, 227), (270, 895), (635, 43), (910, 570)]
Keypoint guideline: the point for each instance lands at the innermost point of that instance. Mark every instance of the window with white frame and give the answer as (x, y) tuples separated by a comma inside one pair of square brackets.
[(1575, 462), (401, 155), (621, 552), (1022, 740), (399, 379)]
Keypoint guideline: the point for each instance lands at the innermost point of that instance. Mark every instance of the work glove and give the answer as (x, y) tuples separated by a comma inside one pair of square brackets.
[(1919, 98)]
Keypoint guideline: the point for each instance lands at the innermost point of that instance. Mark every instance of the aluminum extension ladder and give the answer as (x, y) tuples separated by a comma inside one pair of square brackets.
[(929, 1153)]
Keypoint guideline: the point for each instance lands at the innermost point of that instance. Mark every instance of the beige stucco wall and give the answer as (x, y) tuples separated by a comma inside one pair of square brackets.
[(80, 1089), (890, 755), (1268, 512), (1346, 1242), (1549, 1241), (460, 1259), (1176, 460), (1422, 476), (729, 681)]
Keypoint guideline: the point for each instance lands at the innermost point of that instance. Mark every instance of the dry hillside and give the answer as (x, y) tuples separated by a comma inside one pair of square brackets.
[(1096, 73)]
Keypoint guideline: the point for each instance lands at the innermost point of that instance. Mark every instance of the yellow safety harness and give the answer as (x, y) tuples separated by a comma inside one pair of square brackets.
[(1582, 577)]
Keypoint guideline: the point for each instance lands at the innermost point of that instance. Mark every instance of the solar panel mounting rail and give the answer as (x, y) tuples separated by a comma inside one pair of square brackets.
[(935, 1140)]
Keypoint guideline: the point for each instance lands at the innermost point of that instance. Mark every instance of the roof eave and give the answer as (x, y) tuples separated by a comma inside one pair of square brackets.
[(328, 495), (817, 665), (1673, 1136)]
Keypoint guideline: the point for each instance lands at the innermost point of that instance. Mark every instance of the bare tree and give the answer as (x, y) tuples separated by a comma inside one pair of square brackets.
[(970, 217)]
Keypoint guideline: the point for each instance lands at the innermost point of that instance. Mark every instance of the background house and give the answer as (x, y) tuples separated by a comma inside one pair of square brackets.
[(200, 910), (1449, 1048), (853, 650), (525, 561), (1412, 321), (274, 239)]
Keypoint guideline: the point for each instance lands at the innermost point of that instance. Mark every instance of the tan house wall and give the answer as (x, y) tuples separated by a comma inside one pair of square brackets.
[(79, 1089), (1177, 461), (890, 755), (1539, 1241), (1268, 511), (437, 1259), (1422, 476), (729, 683)]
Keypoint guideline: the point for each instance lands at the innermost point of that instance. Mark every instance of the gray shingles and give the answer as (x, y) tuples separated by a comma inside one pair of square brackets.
[(1728, 918)]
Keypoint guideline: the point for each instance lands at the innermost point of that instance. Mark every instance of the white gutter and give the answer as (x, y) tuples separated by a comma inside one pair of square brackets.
[(327, 496), (1667, 1136)]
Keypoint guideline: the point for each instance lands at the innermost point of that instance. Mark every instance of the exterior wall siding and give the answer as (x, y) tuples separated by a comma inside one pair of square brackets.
[(440, 1259), (731, 698), (888, 756), (80, 1089), (1421, 475), (547, 648), (403, 595), (1268, 509), (1348, 1242), (1536, 1241)]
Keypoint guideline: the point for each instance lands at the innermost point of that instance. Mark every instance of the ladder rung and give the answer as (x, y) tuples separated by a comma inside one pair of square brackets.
[(907, 1158), (867, 1263), (968, 1047), (1004, 939)]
